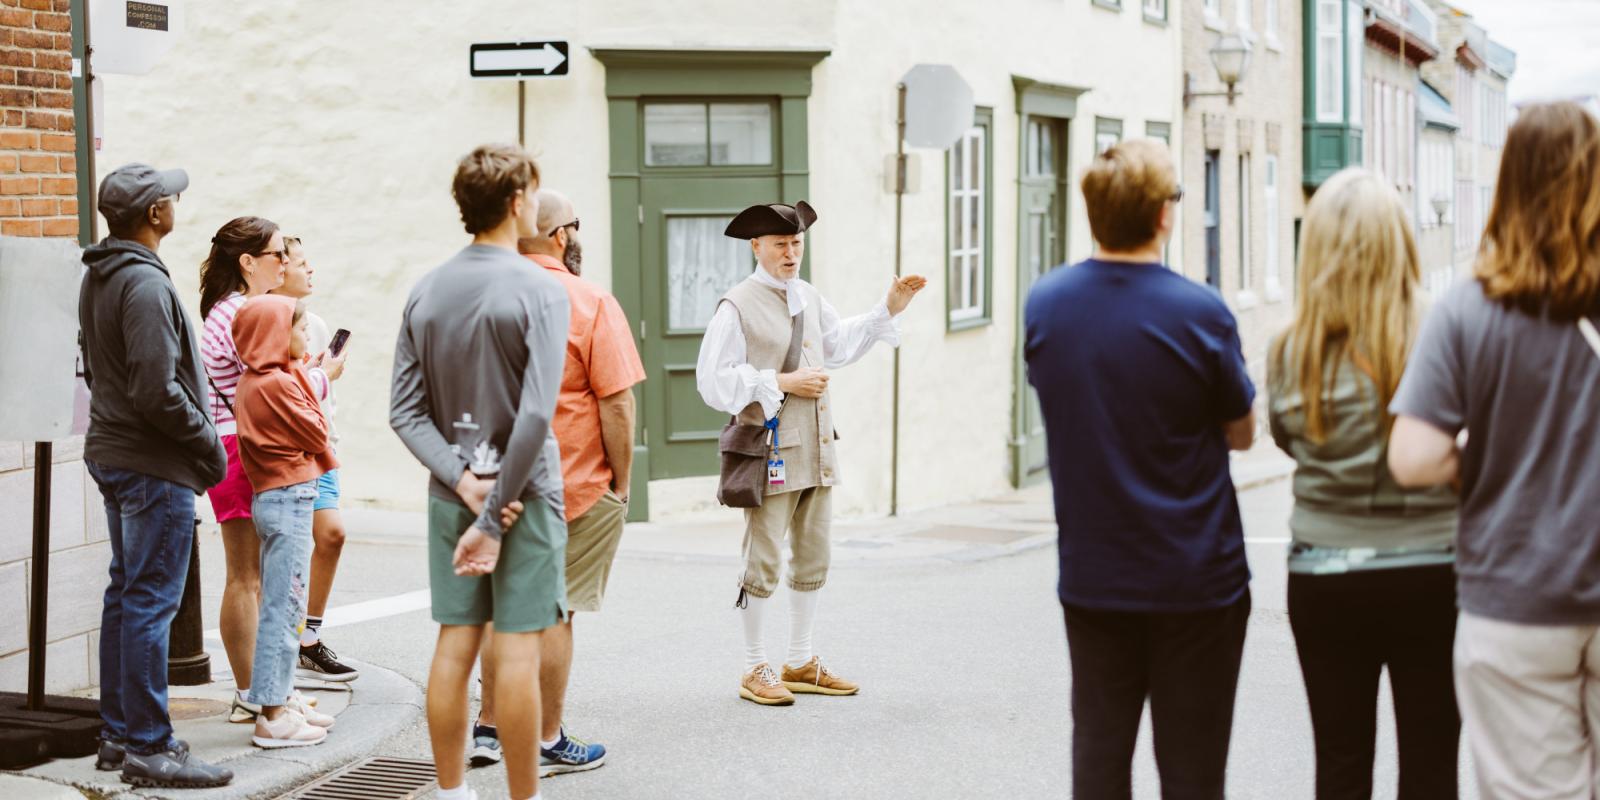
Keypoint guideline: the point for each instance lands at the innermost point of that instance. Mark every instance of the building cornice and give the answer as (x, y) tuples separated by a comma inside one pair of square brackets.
[(1397, 40)]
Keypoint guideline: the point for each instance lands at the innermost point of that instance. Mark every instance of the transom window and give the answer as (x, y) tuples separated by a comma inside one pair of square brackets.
[(707, 134), (1107, 133)]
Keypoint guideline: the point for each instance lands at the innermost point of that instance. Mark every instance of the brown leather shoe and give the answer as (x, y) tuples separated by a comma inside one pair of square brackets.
[(761, 685), (813, 678)]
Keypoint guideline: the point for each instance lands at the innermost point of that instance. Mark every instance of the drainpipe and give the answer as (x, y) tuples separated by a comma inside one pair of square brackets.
[(899, 204)]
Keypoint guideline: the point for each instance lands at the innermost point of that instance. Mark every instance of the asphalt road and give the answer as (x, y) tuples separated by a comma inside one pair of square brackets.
[(963, 667)]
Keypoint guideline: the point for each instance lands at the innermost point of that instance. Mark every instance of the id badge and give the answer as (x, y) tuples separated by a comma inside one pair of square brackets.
[(775, 472)]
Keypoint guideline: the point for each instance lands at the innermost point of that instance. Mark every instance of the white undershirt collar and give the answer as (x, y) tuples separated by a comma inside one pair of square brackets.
[(797, 298)]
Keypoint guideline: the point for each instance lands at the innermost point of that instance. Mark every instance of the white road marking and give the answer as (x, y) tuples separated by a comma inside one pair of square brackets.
[(366, 611)]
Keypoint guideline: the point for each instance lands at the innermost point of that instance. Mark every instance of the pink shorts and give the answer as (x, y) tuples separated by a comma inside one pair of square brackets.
[(231, 498)]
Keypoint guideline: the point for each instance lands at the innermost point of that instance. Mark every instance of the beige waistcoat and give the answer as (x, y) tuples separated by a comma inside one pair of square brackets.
[(805, 426)]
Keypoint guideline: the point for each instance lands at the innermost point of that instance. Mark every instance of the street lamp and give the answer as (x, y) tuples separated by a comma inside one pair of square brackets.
[(1231, 58), (1441, 206)]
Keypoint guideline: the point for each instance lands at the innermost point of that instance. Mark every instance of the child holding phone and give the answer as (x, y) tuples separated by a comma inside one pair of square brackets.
[(317, 661), (285, 447)]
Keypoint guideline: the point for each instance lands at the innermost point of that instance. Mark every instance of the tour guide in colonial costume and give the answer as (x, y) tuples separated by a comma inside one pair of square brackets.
[(764, 360)]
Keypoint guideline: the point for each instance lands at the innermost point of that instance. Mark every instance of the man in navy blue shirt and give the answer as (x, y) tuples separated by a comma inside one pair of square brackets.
[(1144, 390)]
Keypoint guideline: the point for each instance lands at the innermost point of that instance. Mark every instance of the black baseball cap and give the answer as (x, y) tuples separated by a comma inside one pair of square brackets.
[(128, 191)]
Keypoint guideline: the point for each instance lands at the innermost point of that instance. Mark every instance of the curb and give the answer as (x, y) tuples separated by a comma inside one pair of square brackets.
[(384, 705)]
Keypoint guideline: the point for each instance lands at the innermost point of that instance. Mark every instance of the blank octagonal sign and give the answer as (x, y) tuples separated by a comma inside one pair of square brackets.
[(938, 106)]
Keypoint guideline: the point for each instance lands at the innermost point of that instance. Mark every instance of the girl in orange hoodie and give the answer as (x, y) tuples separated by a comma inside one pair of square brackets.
[(284, 447)]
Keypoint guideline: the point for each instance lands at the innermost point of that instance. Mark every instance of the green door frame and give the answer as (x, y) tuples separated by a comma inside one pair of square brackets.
[(633, 75), (1060, 101)]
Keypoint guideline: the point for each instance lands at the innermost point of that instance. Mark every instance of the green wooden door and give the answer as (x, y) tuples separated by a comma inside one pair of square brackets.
[(1041, 246), (687, 265), (695, 136)]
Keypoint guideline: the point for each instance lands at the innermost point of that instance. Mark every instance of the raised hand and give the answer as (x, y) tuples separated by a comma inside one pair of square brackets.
[(901, 292)]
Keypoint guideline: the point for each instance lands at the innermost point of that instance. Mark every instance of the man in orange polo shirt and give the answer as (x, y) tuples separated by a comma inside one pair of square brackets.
[(594, 426)]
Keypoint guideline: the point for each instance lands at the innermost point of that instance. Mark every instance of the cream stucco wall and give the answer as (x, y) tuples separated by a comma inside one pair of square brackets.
[(343, 123)]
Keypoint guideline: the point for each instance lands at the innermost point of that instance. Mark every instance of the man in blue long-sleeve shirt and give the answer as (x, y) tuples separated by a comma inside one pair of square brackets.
[(476, 373)]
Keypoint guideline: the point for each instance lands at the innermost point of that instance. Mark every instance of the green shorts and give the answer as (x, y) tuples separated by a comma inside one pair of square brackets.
[(527, 590)]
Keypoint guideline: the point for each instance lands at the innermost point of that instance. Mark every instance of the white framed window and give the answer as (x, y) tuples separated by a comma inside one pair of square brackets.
[(1355, 40), (1270, 219), (1213, 8), (1155, 10), (1408, 166), (1385, 124), (1466, 217), (1244, 14), (1330, 61), (1269, 22), (1107, 133), (1244, 228), (967, 226), (1375, 132)]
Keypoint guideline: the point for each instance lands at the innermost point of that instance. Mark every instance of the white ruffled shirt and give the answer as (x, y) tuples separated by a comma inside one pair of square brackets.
[(727, 382)]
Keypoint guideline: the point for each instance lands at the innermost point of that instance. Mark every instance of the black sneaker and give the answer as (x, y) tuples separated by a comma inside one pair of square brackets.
[(110, 757), (318, 663), (173, 768), (485, 746)]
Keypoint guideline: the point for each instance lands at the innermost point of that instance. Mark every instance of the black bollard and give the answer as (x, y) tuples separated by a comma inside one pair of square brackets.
[(188, 664)]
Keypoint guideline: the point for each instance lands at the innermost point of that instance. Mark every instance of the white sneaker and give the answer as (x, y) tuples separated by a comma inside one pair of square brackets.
[(242, 710), (290, 729), (301, 704)]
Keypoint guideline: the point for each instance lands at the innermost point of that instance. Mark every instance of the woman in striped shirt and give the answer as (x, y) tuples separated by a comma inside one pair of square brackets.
[(248, 258)]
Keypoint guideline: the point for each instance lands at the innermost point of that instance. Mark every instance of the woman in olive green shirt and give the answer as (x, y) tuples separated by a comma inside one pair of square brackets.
[(1371, 581)]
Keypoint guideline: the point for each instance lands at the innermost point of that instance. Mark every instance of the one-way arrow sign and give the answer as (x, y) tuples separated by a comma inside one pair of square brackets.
[(518, 59)]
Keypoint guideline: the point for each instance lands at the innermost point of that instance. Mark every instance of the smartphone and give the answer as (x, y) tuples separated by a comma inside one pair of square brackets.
[(340, 337)]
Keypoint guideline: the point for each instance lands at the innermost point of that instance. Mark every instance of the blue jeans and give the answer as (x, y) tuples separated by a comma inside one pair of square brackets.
[(283, 521), (151, 522)]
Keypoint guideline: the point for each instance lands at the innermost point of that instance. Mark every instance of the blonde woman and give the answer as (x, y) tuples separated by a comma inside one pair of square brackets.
[(1370, 569), (1513, 358)]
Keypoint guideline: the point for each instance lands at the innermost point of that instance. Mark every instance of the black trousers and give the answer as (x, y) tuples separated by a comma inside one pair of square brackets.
[(1187, 664), (1347, 628)]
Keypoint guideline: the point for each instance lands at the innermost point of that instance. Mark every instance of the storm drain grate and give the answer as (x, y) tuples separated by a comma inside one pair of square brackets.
[(372, 779)]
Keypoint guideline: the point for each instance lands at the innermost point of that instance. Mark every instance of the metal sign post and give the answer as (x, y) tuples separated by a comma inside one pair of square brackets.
[(934, 110), (519, 61)]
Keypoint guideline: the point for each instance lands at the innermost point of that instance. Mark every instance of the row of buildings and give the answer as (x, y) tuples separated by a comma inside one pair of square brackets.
[(667, 123), (345, 129)]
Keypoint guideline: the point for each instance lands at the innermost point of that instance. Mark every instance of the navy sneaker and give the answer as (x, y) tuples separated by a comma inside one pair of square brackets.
[(570, 755), (485, 746), (110, 757)]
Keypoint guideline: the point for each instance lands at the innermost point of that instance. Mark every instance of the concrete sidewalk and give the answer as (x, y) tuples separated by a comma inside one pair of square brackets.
[(368, 711)]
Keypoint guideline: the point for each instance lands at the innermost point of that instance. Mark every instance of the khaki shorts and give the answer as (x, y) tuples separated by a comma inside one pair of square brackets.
[(526, 591), (592, 541)]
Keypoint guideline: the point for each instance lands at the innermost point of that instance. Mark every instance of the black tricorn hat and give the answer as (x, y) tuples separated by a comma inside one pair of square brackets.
[(776, 219)]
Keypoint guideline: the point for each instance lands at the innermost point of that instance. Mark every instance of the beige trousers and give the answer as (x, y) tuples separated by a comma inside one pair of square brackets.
[(1530, 707), (806, 516)]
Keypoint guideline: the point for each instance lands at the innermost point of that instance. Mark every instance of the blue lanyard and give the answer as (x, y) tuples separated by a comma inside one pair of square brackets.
[(772, 433)]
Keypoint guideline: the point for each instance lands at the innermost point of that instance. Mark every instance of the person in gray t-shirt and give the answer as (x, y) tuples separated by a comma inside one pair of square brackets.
[(477, 368), (1512, 359)]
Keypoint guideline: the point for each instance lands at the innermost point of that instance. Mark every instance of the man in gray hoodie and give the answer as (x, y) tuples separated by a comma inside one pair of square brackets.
[(151, 448)]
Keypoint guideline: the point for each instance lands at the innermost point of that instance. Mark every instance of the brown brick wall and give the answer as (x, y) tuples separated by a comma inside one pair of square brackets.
[(38, 180)]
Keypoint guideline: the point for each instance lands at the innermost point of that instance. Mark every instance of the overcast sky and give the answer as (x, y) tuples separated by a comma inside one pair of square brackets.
[(1557, 43)]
